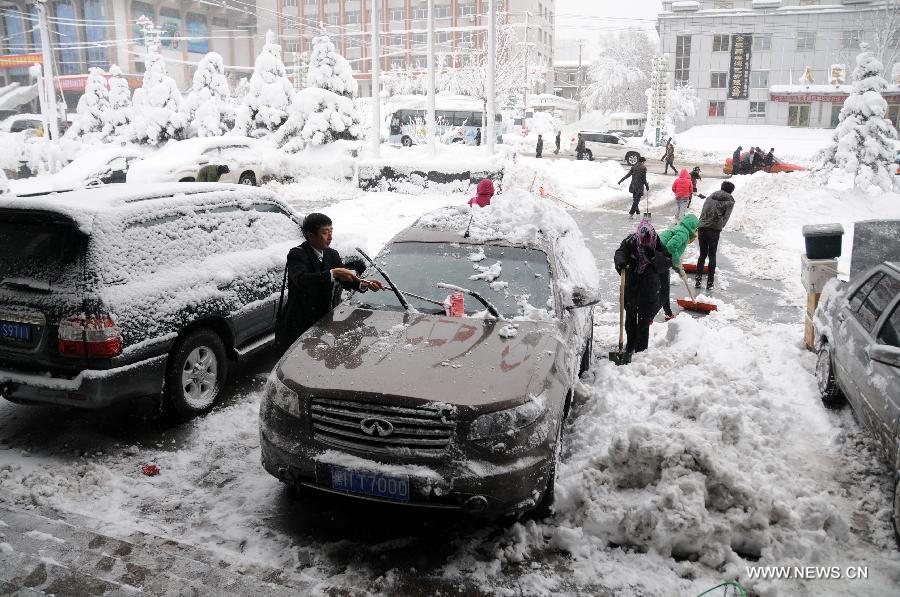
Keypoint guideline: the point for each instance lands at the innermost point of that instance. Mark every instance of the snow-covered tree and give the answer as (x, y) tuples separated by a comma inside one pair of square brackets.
[(267, 101), (620, 72), (681, 104), (862, 147), (93, 107), (157, 115), (118, 118), (206, 109), (329, 70)]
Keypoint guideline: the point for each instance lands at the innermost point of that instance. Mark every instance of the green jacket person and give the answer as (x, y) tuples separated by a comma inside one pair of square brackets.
[(211, 173), (676, 240)]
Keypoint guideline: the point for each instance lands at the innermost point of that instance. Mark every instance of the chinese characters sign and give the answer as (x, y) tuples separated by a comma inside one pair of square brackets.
[(14, 60), (739, 75)]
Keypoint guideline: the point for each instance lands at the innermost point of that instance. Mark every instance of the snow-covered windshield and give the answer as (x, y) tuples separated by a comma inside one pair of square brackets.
[(505, 276)]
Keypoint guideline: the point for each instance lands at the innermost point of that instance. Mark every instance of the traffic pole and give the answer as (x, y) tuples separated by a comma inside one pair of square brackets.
[(48, 110), (491, 75), (430, 118), (376, 79)]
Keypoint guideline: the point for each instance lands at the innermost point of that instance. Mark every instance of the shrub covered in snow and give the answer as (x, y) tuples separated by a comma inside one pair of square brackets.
[(206, 109), (328, 69), (862, 150), (265, 106), (93, 107), (157, 115), (118, 117)]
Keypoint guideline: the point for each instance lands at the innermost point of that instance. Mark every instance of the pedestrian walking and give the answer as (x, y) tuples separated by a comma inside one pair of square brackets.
[(478, 136), (746, 162), (695, 180), (483, 193), (558, 141), (769, 160), (736, 160), (641, 256), (311, 272), (669, 157), (713, 218), (540, 147), (579, 147), (212, 173), (683, 189), (676, 239), (638, 175)]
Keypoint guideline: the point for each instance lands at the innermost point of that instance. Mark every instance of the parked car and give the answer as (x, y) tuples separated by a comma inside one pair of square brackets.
[(179, 161), (607, 146), (778, 167), (21, 122), (104, 165), (857, 331), (405, 404), (128, 291)]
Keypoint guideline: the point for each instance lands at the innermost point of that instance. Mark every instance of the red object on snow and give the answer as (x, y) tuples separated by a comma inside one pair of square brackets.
[(455, 305), (485, 191), (695, 306), (691, 268), (150, 470)]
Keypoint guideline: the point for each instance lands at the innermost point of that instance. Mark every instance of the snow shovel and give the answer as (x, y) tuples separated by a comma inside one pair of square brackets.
[(647, 215), (691, 268), (692, 305), (620, 357)]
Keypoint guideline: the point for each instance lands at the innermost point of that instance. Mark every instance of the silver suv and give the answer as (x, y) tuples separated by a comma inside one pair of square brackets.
[(607, 146)]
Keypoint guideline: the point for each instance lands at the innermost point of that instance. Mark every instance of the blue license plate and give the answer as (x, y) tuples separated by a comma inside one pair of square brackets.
[(366, 483), (12, 330)]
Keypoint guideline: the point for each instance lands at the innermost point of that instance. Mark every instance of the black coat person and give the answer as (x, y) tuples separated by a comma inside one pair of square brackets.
[(579, 147), (540, 147), (558, 141), (736, 160), (478, 137), (638, 175), (313, 268)]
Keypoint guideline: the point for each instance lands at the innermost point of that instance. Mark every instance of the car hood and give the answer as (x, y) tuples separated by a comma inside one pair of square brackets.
[(460, 361)]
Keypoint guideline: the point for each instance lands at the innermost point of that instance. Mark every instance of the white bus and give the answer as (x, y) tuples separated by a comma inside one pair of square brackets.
[(458, 121)]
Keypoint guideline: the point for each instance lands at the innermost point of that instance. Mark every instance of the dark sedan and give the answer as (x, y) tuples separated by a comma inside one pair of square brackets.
[(454, 400)]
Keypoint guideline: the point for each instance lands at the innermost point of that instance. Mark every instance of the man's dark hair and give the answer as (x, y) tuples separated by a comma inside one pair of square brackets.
[(224, 170), (313, 222), (728, 187), (641, 160)]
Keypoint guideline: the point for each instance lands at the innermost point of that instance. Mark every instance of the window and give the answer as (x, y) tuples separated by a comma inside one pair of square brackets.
[(808, 2), (836, 114), (467, 39), (806, 40), (95, 33), (420, 39), (398, 62), (759, 79), (762, 42), (893, 114), (419, 61), (716, 109), (334, 19), (352, 17), (890, 331), (850, 39), (170, 23), (354, 41), (723, 4), (290, 2), (67, 33), (466, 10), (682, 58), (442, 12), (310, 2), (397, 14), (292, 46), (441, 37), (798, 115), (198, 34), (877, 301), (757, 109), (721, 43), (718, 80), (420, 12), (860, 295), (572, 77)]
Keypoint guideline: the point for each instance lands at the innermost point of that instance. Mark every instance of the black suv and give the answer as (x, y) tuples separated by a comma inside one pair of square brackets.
[(137, 290)]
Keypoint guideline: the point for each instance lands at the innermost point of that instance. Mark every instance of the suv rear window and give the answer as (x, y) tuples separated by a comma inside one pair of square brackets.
[(38, 250), (877, 301)]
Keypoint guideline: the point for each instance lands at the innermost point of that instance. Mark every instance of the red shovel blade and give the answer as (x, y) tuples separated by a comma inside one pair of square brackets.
[(695, 306), (691, 268)]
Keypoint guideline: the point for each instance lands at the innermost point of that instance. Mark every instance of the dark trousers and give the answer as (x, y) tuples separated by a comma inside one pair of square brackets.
[(637, 330), (665, 292), (670, 164), (708, 240), (636, 202)]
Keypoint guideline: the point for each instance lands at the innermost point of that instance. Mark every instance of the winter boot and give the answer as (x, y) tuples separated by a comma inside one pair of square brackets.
[(709, 281), (698, 281)]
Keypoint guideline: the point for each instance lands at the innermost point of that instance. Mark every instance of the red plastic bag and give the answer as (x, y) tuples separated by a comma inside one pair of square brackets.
[(150, 470), (454, 305)]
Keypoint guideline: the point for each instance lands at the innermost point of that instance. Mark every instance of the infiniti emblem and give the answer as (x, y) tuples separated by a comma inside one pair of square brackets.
[(376, 427)]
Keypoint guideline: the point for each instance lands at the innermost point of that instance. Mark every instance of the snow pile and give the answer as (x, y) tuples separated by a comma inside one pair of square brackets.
[(207, 110), (716, 142), (157, 115), (862, 152), (269, 94), (93, 107), (118, 116)]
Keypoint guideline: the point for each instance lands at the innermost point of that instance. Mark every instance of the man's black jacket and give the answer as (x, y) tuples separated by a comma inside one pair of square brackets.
[(310, 291)]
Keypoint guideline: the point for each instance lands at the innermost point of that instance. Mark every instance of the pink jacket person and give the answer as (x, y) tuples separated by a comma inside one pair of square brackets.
[(483, 194)]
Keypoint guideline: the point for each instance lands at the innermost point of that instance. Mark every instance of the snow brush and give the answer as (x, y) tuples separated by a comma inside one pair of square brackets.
[(693, 305)]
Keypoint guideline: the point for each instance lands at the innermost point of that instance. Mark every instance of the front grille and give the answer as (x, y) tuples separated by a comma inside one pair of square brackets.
[(423, 430)]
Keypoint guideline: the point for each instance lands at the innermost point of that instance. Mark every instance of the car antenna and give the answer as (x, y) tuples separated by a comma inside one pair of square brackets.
[(387, 279)]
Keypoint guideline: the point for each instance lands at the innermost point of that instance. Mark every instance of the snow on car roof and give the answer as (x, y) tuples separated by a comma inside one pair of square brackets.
[(82, 205)]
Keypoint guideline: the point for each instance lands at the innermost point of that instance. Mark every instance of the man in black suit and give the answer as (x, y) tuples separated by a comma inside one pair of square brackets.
[(312, 270)]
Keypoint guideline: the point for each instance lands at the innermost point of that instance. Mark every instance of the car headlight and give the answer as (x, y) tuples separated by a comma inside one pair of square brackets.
[(509, 421), (282, 396)]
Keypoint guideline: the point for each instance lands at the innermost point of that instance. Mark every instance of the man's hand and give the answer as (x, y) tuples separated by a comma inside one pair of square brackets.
[(371, 285), (344, 275)]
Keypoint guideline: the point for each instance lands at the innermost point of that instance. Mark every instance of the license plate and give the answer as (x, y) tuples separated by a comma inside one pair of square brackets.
[(366, 483), (12, 330)]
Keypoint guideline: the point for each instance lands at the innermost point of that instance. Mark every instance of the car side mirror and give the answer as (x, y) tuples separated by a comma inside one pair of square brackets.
[(583, 298), (889, 355)]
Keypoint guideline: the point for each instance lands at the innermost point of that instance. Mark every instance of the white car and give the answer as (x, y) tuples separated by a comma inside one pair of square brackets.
[(179, 161), (105, 165), (21, 122)]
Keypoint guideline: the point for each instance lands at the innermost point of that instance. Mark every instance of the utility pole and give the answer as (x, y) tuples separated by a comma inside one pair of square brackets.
[(48, 109), (579, 78), (491, 75), (430, 119), (527, 55), (376, 79)]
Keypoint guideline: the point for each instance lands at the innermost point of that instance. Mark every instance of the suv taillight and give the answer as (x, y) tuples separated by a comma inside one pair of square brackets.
[(89, 336)]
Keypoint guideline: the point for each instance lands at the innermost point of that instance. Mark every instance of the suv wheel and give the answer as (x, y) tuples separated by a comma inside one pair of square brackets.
[(589, 155), (406, 141), (828, 389), (196, 372), (248, 178), (188, 179), (631, 158)]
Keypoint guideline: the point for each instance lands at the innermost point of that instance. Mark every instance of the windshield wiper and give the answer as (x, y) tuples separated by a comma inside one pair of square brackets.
[(491, 308), (27, 284), (400, 297)]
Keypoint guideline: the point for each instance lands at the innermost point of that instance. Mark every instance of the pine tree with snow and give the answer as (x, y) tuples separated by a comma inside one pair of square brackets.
[(862, 149), (93, 107), (118, 118), (324, 111), (206, 108), (265, 107), (157, 104)]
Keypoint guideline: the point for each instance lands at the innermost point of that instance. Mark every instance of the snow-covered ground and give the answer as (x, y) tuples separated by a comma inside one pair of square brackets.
[(709, 454)]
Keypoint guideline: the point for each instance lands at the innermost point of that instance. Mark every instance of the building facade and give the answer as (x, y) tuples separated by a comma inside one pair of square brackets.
[(777, 62), (99, 33), (458, 29)]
